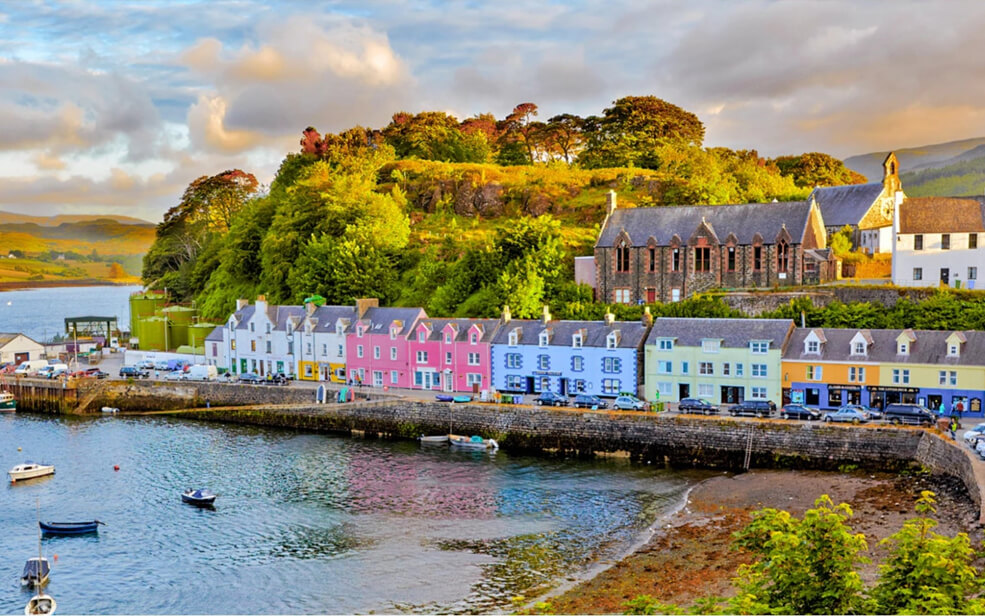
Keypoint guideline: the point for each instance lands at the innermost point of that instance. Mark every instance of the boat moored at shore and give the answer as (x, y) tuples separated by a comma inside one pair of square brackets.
[(8, 403)]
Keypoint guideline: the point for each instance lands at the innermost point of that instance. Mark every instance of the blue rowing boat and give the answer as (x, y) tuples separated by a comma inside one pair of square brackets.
[(199, 498), (69, 528)]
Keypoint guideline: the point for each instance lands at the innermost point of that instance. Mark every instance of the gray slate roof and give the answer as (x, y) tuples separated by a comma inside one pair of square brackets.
[(379, 319), (438, 325), (733, 333), (631, 333), (244, 315), (325, 317), (846, 205), (745, 221), (929, 348), (216, 335)]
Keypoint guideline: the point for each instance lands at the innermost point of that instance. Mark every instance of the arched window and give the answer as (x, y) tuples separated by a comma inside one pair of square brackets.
[(622, 257), (782, 256)]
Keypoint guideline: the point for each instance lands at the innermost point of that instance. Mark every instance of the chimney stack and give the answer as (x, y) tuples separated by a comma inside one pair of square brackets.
[(309, 308), (242, 303), (547, 315), (609, 318), (610, 202), (506, 314), (261, 303), (647, 317), (364, 304)]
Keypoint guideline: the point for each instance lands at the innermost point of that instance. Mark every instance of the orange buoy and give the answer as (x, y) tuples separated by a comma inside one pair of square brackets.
[(116, 467)]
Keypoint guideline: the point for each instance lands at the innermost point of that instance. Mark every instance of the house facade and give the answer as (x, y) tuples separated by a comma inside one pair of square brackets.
[(937, 242), (261, 337), (321, 343), (451, 355), (866, 208), (724, 361), (602, 358), (665, 254), (17, 348), (828, 368), (377, 351), (217, 349)]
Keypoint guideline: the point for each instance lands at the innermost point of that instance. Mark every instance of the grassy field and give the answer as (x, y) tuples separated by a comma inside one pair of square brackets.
[(27, 270)]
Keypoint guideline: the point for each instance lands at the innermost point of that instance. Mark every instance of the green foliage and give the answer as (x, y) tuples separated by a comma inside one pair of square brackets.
[(927, 573), (817, 169), (958, 179), (646, 605), (804, 566), (841, 242)]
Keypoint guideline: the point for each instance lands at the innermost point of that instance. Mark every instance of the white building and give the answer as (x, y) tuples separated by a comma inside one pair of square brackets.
[(261, 337), (15, 348), (938, 241), (321, 343), (217, 348)]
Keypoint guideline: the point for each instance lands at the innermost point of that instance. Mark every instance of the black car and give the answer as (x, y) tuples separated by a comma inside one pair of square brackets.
[(908, 414), (586, 401), (280, 379), (251, 377), (799, 411), (549, 398), (133, 372), (696, 405), (753, 408)]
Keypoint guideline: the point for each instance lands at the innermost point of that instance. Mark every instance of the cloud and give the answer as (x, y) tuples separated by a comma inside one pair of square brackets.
[(46, 161), (206, 125)]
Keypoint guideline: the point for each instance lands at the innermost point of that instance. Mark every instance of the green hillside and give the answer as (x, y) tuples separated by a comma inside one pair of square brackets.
[(953, 169), (912, 159)]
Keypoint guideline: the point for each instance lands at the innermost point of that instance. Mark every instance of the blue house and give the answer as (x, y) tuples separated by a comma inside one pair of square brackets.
[(569, 357)]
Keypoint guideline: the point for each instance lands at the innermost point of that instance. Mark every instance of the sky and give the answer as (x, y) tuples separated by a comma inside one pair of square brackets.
[(113, 107)]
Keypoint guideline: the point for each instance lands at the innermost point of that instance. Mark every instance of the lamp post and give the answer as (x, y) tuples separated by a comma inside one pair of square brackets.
[(75, 334)]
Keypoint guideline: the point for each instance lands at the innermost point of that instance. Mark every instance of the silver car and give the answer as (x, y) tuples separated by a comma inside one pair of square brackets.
[(847, 414)]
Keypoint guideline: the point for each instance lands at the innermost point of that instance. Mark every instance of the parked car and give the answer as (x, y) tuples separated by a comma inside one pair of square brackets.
[(872, 414), (847, 414), (96, 373), (971, 435), (915, 414), (251, 377), (279, 379), (629, 403), (586, 401), (696, 405), (133, 372), (549, 398), (58, 371), (799, 411), (146, 365), (757, 408), (175, 376)]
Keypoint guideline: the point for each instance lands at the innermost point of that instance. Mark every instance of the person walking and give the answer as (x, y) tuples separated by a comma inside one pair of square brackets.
[(953, 427), (940, 411), (958, 409)]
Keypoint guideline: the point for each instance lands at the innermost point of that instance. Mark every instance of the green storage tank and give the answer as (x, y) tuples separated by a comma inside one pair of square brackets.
[(180, 314), (150, 333), (146, 305), (177, 334), (198, 332)]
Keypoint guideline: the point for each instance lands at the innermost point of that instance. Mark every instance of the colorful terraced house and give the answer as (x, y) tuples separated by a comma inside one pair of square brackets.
[(321, 343), (723, 361), (377, 350), (827, 367), (451, 354)]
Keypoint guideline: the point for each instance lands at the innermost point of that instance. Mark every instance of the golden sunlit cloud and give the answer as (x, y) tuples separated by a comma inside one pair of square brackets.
[(206, 126)]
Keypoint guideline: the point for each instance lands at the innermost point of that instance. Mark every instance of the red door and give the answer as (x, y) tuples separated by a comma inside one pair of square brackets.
[(651, 296)]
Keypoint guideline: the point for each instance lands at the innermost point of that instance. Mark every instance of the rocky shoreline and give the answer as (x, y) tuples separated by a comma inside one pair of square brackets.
[(690, 555)]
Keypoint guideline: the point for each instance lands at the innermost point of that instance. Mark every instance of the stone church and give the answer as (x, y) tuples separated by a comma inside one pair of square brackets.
[(665, 254)]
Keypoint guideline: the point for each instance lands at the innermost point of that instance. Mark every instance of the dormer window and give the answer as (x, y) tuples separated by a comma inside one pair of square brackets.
[(514, 338), (232, 326), (338, 329), (447, 338), (473, 338), (813, 347), (360, 330), (710, 346), (953, 350), (665, 344), (858, 348), (612, 340), (420, 336), (903, 348), (544, 338), (576, 341)]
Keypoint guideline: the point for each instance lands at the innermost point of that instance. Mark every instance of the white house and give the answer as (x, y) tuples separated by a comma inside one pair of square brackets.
[(217, 348), (321, 342), (15, 348), (938, 241), (261, 337)]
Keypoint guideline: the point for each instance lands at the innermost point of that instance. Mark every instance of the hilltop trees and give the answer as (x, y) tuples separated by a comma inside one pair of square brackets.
[(817, 169)]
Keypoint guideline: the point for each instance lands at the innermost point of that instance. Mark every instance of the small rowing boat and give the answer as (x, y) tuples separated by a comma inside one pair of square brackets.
[(474, 442), (440, 439), (69, 528), (200, 498)]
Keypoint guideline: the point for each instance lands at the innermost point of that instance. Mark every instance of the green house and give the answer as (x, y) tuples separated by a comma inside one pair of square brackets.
[(723, 361)]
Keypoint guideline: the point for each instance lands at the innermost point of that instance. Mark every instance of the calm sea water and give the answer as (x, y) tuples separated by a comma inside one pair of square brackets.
[(40, 313), (306, 523)]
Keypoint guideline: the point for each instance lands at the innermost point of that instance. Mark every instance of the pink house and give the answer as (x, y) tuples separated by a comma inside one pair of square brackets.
[(451, 354), (376, 344)]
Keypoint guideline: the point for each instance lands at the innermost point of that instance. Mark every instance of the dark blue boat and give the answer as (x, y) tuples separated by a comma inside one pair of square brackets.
[(444, 398), (69, 528), (201, 498)]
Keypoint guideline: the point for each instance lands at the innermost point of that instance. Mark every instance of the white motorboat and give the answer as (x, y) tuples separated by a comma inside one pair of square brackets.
[(40, 604), (110, 409), (30, 470), (474, 442), (440, 439), (36, 572)]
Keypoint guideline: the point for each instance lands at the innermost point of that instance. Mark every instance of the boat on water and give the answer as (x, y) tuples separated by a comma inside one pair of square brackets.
[(440, 439), (36, 571), (8, 404), (200, 498), (40, 604), (110, 409), (473, 442), (30, 470), (69, 528)]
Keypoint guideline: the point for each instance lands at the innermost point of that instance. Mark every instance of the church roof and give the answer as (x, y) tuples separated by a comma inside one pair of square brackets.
[(846, 205), (745, 221)]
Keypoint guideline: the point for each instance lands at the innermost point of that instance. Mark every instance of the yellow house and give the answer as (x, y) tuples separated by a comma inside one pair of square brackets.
[(828, 368)]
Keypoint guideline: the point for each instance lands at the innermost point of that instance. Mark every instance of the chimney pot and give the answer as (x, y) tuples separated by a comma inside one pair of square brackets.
[(547, 315), (506, 314), (609, 318)]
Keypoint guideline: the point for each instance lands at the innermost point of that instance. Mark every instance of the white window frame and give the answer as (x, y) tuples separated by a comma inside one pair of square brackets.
[(665, 388), (610, 341), (665, 366), (447, 358), (543, 339), (376, 352), (421, 357), (858, 348), (394, 377), (757, 393), (576, 341), (706, 390), (706, 368), (759, 347), (953, 378), (513, 339), (903, 348), (474, 359), (710, 346), (578, 363), (393, 353), (813, 347), (665, 344), (760, 371)]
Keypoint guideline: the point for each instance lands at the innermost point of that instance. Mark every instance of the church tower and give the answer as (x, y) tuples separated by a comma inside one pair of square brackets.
[(890, 175)]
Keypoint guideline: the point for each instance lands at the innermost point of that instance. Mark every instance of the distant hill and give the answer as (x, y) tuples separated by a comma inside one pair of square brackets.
[(952, 169), (52, 221)]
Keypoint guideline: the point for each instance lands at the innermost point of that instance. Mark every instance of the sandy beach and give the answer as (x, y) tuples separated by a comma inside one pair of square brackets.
[(689, 555)]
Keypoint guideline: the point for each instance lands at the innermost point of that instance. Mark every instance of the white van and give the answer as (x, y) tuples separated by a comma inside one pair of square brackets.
[(31, 367), (55, 370), (201, 372)]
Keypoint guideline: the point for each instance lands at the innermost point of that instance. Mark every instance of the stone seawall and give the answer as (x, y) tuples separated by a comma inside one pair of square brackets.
[(676, 440), (172, 395)]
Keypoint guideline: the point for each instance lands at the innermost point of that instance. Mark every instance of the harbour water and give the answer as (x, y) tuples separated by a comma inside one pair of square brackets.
[(307, 523), (40, 313)]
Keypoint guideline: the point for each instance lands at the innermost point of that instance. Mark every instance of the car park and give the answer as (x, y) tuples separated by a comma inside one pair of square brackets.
[(971, 435), (753, 408), (847, 414), (251, 377), (629, 403), (586, 401), (696, 405), (799, 411), (913, 414), (549, 398)]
